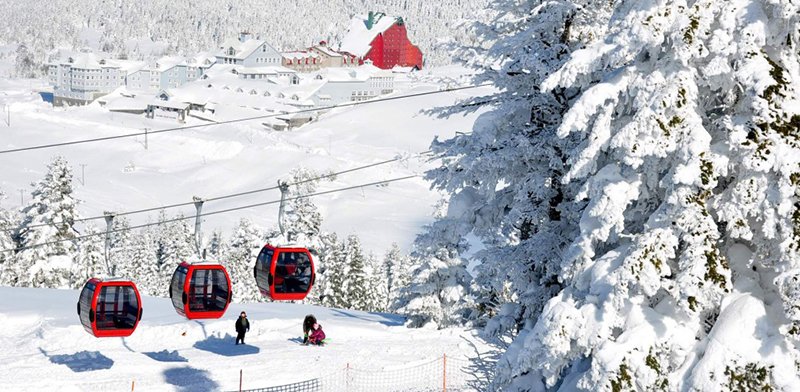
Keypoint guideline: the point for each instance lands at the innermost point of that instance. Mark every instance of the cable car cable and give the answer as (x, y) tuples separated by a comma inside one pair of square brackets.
[(129, 228), (346, 104), (329, 175)]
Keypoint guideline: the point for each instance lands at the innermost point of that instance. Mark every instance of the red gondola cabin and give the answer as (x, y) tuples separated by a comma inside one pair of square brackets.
[(109, 308), (284, 274), (200, 290)]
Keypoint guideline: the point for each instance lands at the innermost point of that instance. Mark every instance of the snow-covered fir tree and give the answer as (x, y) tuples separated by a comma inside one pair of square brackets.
[(91, 260), (121, 250), (302, 219), (357, 293), (46, 233), (174, 244), (6, 244), (239, 257), (144, 266), (439, 290), (674, 162), (333, 272), (398, 275), (215, 245), (378, 284)]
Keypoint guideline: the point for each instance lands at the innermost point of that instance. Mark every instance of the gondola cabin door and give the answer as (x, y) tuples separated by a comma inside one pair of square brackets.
[(109, 308), (284, 274), (200, 291)]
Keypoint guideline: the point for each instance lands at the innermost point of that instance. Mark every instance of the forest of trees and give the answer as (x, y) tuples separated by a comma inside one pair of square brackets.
[(42, 247), (150, 28)]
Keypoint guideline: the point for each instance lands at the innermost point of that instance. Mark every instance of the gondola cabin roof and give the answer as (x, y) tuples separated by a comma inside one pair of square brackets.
[(109, 307)]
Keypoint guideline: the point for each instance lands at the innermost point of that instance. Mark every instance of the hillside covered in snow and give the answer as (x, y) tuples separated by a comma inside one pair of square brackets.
[(150, 28)]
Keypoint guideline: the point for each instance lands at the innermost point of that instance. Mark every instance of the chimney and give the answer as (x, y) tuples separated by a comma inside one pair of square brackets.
[(370, 20)]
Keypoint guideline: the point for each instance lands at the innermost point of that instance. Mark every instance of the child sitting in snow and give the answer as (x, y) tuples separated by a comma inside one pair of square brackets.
[(316, 336)]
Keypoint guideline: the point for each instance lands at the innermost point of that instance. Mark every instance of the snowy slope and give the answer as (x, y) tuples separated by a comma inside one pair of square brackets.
[(44, 347), (121, 175)]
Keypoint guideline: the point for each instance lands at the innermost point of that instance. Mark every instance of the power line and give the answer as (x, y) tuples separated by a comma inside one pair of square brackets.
[(346, 104), (206, 214), (322, 177)]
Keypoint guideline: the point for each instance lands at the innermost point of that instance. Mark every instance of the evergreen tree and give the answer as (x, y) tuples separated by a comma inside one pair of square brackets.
[(121, 250), (6, 245), (144, 266), (356, 290), (91, 261), (174, 244), (239, 257), (662, 190), (333, 272), (302, 219), (24, 63), (397, 268), (49, 249), (439, 291), (378, 284)]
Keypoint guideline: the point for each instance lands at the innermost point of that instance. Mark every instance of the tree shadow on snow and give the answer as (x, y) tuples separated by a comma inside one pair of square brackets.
[(83, 361), (190, 379), (389, 320), (166, 356), (225, 346), (480, 370)]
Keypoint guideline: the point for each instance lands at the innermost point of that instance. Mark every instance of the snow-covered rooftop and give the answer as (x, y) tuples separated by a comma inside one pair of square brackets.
[(241, 49), (359, 37)]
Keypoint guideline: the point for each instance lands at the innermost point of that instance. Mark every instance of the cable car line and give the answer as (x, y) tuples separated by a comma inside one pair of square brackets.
[(238, 120), (321, 177), (103, 233)]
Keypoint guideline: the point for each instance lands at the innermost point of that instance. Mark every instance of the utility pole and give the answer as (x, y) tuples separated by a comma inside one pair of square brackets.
[(109, 215), (198, 204), (83, 174), (284, 187), (145, 137)]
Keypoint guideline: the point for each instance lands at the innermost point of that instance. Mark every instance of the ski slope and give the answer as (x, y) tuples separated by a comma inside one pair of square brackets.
[(44, 347), (121, 175)]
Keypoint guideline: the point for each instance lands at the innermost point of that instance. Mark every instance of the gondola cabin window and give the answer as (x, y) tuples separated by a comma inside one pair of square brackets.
[(117, 308)]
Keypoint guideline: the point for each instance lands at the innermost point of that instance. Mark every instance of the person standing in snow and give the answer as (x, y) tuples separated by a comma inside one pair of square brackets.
[(242, 327)]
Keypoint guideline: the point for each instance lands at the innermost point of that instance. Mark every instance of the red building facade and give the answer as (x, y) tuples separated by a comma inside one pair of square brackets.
[(392, 47)]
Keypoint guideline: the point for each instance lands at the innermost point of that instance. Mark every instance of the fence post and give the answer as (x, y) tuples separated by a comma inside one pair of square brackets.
[(240, 380), (347, 377), (133, 382), (444, 372)]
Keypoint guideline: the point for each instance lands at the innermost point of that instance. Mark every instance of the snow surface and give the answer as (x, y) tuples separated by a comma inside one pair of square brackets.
[(44, 347), (121, 175)]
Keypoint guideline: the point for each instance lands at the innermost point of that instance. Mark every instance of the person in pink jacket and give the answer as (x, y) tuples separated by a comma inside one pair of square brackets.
[(317, 336)]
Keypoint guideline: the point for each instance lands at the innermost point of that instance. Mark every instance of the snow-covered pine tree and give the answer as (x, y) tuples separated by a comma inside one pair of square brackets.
[(215, 246), (686, 264), (90, 261), (239, 256), (439, 291), (333, 272), (121, 251), (174, 244), (6, 244), (357, 292), (302, 219), (144, 266), (378, 284), (48, 250), (398, 275)]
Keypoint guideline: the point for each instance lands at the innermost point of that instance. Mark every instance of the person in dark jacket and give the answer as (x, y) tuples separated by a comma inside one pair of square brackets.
[(308, 324), (242, 327)]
